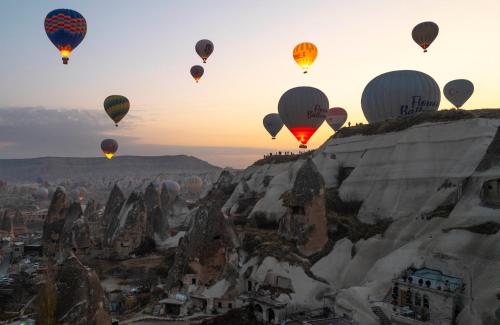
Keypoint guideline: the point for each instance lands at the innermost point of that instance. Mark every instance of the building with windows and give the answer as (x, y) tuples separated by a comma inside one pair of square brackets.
[(426, 295)]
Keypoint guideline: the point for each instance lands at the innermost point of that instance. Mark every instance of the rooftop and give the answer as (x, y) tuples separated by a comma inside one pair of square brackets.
[(436, 279)]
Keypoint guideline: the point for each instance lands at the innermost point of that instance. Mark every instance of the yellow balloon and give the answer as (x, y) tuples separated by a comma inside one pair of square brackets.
[(305, 54)]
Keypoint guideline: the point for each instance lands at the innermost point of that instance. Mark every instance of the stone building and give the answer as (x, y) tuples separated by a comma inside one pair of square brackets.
[(427, 295)]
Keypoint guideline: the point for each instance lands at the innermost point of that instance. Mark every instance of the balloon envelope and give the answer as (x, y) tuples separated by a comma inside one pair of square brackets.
[(398, 94), (273, 124), (172, 188), (109, 147), (193, 184), (204, 48), (336, 117), (458, 91), (305, 54), (66, 29), (197, 72), (303, 110), (425, 33), (41, 193), (116, 106)]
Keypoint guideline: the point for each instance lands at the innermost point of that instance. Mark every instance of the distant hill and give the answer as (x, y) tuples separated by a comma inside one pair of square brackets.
[(53, 168)]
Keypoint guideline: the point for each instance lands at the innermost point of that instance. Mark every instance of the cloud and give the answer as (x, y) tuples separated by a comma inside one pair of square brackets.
[(40, 132)]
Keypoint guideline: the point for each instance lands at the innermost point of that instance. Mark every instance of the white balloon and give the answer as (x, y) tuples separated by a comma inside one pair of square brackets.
[(458, 91), (172, 188), (273, 124), (41, 193), (399, 94)]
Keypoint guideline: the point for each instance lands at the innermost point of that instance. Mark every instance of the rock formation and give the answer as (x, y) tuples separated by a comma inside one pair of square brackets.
[(54, 223), (127, 231), (174, 210), (155, 221), (80, 297), (94, 222), (113, 206), (305, 221), (208, 247), (409, 192)]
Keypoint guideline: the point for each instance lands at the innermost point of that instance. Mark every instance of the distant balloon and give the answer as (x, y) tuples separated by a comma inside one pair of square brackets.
[(204, 48), (273, 124), (66, 29), (425, 33), (399, 94), (458, 91), (82, 193), (109, 147), (172, 188), (157, 184), (197, 72), (193, 184), (303, 110), (305, 54), (336, 117), (41, 194), (116, 106)]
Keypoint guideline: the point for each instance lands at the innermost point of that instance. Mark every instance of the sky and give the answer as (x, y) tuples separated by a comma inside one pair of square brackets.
[(144, 50)]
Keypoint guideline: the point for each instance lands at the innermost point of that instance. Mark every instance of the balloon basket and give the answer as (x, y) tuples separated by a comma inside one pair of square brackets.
[(65, 60)]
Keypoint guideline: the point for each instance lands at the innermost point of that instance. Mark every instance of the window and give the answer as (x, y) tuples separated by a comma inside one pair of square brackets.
[(426, 301), (409, 300), (230, 305), (418, 299), (298, 210), (219, 304), (193, 281)]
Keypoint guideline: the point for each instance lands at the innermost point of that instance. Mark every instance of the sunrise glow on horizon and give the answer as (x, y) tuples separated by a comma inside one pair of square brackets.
[(144, 50)]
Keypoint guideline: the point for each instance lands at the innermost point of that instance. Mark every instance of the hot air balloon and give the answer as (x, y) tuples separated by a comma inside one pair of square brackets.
[(273, 124), (305, 54), (399, 93), (204, 48), (66, 29), (197, 72), (336, 117), (302, 110), (425, 33), (173, 188), (157, 184), (116, 106), (458, 91), (109, 147), (193, 185), (41, 193)]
